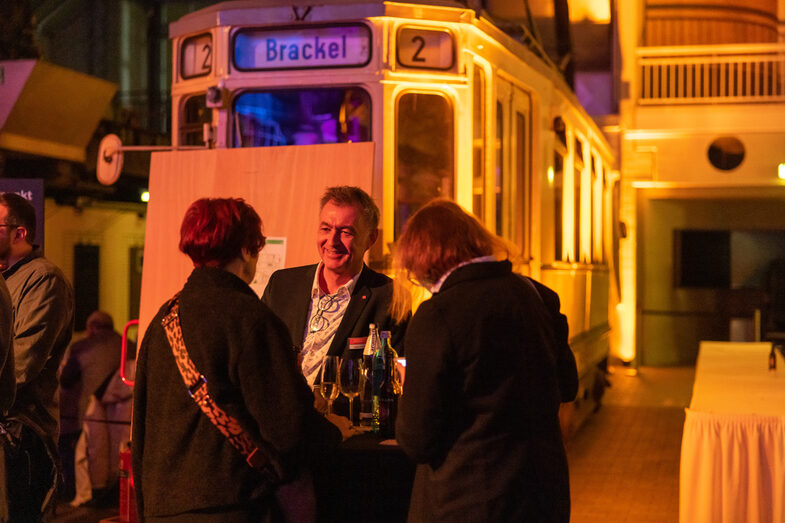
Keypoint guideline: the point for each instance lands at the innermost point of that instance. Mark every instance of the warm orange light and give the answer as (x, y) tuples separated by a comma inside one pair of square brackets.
[(597, 11)]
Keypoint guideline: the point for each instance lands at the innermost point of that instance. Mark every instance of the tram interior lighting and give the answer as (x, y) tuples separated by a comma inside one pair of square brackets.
[(550, 175), (781, 171), (145, 196)]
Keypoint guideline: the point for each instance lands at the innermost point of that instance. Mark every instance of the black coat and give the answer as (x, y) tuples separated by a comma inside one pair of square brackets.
[(181, 462), (479, 411), (288, 294)]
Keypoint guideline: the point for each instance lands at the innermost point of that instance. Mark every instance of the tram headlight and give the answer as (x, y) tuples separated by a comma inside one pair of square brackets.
[(214, 96)]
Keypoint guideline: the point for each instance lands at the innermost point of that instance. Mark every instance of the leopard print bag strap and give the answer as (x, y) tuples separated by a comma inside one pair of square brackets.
[(196, 384)]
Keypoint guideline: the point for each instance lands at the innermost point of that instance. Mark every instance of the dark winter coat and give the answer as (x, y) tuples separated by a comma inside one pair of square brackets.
[(479, 411), (181, 462)]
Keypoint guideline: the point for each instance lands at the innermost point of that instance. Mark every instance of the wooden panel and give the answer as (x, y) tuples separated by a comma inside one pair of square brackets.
[(710, 22), (283, 184)]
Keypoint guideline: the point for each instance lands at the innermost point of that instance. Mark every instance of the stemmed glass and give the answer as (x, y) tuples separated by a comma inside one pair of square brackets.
[(349, 379), (329, 383)]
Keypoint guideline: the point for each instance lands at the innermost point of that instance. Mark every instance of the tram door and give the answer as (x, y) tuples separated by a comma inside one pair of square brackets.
[(510, 184)]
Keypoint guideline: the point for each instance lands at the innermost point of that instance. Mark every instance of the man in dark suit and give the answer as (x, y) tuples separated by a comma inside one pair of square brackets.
[(325, 304)]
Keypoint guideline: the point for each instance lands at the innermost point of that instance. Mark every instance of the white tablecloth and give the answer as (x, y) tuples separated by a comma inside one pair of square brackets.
[(733, 445)]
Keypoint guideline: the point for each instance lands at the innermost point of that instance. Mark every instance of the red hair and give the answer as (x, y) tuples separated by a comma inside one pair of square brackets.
[(437, 238), (216, 230)]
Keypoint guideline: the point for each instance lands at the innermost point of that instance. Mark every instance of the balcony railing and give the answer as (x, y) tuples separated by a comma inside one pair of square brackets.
[(711, 74)]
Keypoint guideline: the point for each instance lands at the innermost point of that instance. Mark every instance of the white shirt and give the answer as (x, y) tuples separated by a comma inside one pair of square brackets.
[(324, 316)]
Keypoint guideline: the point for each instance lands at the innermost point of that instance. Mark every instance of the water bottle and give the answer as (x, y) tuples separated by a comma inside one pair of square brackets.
[(366, 387), (385, 388)]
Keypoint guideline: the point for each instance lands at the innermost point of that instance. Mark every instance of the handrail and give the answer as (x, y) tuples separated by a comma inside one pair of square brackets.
[(124, 351), (711, 74)]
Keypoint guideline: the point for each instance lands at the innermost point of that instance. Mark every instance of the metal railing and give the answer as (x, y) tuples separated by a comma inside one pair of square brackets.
[(713, 74)]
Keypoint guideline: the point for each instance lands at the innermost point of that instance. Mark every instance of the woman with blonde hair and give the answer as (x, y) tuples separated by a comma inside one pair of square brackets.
[(479, 411)]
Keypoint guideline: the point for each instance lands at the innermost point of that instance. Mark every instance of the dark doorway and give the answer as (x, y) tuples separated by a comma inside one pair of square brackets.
[(135, 257), (86, 278)]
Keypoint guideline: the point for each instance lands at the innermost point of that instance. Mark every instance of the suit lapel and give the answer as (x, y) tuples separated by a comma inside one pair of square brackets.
[(361, 296), (302, 305)]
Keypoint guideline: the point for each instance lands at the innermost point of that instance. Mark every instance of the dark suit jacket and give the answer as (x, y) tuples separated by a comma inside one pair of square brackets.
[(288, 294), (181, 461), (479, 411)]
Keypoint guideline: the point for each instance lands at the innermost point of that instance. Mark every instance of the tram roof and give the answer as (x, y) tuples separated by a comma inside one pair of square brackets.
[(245, 12)]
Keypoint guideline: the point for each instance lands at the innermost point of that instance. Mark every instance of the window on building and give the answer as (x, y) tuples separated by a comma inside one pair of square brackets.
[(703, 258)]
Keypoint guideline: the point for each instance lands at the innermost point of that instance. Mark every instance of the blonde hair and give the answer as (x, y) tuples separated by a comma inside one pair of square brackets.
[(439, 236)]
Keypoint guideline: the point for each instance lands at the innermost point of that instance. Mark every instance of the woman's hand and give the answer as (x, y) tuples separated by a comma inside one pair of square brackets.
[(344, 425), (319, 403)]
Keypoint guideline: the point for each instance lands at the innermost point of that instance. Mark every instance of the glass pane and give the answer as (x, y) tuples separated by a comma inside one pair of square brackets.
[(302, 117), (193, 116), (593, 237), (577, 214), (522, 211), (424, 166), (478, 145), (558, 196), (500, 174)]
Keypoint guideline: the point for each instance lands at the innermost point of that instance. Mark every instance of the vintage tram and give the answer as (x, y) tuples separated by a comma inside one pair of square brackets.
[(447, 105)]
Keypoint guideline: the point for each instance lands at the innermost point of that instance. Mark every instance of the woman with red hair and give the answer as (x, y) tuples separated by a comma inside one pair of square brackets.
[(184, 467), (479, 411)]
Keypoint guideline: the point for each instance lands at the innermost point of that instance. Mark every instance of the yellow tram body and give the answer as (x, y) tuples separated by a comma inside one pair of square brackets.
[(454, 107)]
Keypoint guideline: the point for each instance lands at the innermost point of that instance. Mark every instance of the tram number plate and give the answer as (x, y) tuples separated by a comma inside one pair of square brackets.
[(426, 48), (196, 58)]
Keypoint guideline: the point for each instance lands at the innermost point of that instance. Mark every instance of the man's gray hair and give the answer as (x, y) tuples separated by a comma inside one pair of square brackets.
[(350, 195)]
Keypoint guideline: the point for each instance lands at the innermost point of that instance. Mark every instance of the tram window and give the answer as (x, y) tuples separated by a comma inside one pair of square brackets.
[(478, 144), (578, 174), (501, 178), (302, 117), (593, 237), (194, 115), (598, 210), (558, 197), (522, 208), (424, 153)]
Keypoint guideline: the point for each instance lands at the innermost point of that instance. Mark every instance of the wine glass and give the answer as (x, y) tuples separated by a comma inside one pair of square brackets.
[(329, 382), (349, 378)]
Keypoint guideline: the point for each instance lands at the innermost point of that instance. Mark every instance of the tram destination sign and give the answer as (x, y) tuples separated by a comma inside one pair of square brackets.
[(303, 48)]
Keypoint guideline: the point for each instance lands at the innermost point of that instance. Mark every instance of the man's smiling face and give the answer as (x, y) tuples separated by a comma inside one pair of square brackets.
[(342, 239)]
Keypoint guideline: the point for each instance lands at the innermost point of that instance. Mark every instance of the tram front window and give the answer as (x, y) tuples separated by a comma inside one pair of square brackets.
[(302, 117), (424, 158)]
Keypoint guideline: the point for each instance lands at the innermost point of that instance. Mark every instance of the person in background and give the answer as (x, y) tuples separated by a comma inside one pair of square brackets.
[(7, 386), (184, 467), (479, 410), (43, 305), (106, 430), (7, 379), (90, 364), (325, 304)]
